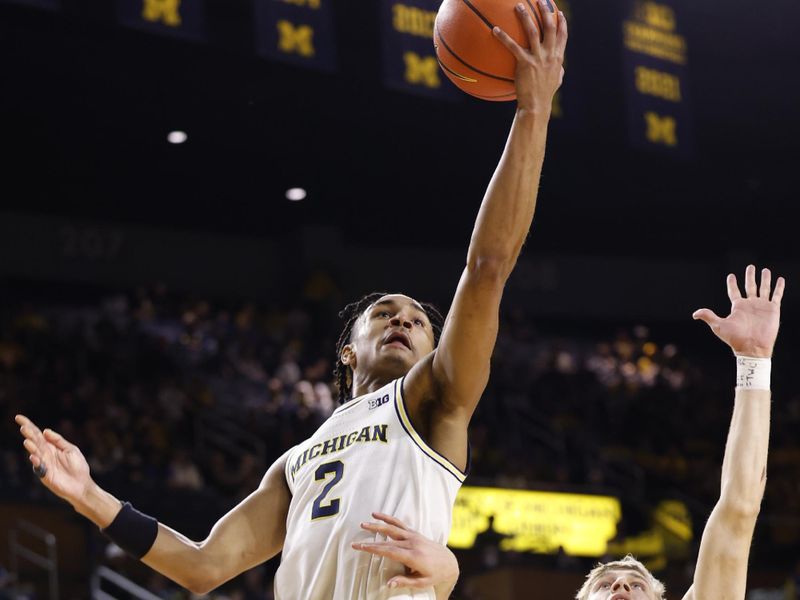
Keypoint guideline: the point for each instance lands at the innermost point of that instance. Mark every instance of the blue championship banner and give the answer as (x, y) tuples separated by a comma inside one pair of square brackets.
[(409, 60), (655, 61), (176, 18), (49, 4), (299, 32)]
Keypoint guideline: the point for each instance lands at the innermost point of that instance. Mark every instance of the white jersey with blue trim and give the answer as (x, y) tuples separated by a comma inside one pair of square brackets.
[(367, 457)]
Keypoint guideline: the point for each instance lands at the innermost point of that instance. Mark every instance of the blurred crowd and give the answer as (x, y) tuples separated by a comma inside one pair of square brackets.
[(163, 391)]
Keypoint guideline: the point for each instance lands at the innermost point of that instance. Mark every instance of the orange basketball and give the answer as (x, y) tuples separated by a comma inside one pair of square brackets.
[(470, 55)]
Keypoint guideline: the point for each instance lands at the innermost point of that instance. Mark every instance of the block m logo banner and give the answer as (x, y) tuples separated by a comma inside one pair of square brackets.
[(175, 18), (299, 32)]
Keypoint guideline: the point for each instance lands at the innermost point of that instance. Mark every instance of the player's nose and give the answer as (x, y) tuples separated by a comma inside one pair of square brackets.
[(620, 583), (401, 320)]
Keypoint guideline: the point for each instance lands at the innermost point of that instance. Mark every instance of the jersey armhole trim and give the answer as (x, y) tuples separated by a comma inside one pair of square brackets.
[(286, 468), (405, 421)]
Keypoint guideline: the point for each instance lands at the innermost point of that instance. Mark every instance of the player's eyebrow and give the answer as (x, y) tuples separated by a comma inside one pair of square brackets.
[(393, 303), (638, 577), (387, 302), (600, 580), (610, 575)]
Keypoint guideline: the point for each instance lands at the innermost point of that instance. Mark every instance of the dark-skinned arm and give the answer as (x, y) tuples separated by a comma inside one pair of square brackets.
[(251, 533), (443, 390)]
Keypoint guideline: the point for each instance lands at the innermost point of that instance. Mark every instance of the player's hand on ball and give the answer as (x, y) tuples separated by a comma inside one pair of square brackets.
[(427, 563), (60, 465), (540, 69), (752, 327)]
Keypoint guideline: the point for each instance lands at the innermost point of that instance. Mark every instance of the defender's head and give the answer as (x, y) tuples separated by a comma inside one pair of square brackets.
[(625, 579), (384, 336)]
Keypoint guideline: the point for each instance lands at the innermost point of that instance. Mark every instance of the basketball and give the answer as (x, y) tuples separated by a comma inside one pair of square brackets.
[(468, 53)]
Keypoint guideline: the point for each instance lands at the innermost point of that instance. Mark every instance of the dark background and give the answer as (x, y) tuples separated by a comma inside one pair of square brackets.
[(622, 237), (87, 104)]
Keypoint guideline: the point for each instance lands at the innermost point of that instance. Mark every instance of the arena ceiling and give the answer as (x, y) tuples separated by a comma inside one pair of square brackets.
[(87, 104)]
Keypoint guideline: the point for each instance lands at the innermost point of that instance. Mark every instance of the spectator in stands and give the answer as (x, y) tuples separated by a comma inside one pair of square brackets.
[(183, 473)]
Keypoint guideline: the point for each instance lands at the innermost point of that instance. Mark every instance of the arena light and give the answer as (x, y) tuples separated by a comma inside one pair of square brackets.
[(296, 194), (177, 137)]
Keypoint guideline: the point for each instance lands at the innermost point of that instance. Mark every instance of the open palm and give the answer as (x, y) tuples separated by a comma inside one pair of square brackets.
[(752, 327), (427, 563), (66, 470)]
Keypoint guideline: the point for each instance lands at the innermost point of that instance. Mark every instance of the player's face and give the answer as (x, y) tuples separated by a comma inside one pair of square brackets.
[(621, 585), (392, 336)]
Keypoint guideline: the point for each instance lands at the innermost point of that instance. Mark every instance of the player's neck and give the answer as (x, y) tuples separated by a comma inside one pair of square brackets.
[(370, 383)]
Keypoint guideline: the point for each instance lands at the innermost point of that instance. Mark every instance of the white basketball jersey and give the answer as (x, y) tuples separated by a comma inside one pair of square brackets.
[(365, 458)]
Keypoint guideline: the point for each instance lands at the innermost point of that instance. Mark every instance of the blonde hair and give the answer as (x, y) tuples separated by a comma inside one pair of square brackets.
[(629, 563)]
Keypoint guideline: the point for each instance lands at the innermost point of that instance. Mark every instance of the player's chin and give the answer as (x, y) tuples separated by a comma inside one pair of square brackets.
[(398, 360), (398, 351)]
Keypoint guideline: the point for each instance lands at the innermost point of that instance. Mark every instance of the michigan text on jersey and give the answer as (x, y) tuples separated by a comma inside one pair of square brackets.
[(376, 433)]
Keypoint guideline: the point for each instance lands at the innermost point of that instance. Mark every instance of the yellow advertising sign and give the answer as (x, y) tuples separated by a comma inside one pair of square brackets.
[(539, 522)]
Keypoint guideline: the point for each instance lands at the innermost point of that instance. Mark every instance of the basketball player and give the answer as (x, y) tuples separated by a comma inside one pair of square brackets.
[(399, 443), (721, 573)]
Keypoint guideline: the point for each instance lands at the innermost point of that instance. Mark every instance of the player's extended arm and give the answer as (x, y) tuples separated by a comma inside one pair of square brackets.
[(460, 365), (249, 534), (750, 330)]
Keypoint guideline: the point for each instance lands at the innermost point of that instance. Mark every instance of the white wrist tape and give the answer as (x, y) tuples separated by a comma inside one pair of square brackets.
[(753, 373)]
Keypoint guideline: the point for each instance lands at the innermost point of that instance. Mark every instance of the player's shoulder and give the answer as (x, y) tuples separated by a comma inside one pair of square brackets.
[(276, 474)]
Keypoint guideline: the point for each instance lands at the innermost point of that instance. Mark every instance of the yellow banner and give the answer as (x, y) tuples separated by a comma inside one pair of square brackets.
[(542, 522), (176, 18)]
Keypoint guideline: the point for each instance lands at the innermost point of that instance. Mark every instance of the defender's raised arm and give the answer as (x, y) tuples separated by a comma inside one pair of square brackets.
[(750, 331), (721, 574)]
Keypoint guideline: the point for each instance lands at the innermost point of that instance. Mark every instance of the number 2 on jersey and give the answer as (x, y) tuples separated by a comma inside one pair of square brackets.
[(319, 510)]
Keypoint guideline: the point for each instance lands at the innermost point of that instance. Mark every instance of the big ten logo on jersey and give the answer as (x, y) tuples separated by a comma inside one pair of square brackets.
[(376, 402)]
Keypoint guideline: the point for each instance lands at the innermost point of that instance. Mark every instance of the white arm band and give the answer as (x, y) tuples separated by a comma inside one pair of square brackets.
[(753, 373)]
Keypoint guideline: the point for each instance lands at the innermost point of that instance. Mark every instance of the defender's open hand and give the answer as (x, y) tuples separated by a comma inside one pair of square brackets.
[(540, 68), (752, 327), (427, 563)]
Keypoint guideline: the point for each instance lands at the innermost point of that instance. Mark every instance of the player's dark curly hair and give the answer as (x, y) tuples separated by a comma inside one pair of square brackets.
[(350, 314)]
